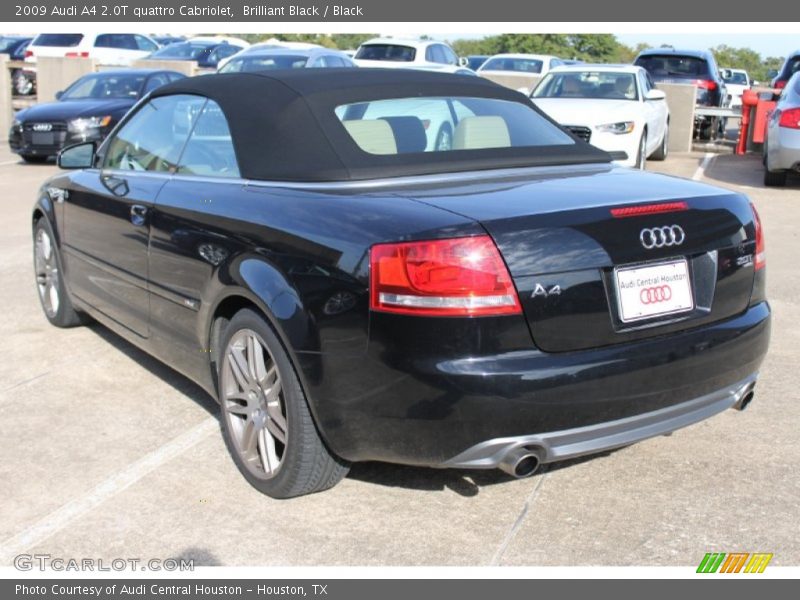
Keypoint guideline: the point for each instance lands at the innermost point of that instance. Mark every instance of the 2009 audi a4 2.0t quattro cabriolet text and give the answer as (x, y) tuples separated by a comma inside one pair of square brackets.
[(294, 243)]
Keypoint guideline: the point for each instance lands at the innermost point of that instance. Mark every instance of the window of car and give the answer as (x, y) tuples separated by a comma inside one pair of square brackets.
[(393, 52), (435, 53), (412, 125), (792, 66), (222, 51), (449, 55), (65, 40), (105, 86), (123, 41), (674, 65), (156, 81), (144, 44), (209, 151), (248, 64), (331, 61), (182, 50), (522, 65), (555, 62), (604, 85), (152, 139)]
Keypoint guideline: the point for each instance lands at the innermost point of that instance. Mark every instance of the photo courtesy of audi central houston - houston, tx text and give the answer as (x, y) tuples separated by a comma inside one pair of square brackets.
[(372, 294)]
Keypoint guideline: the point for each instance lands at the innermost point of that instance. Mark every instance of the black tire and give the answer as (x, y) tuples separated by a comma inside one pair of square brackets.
[(641, 155), (301, 463), (52, 292), (34, 159), (662, 151), (774, 178), (444, 138)]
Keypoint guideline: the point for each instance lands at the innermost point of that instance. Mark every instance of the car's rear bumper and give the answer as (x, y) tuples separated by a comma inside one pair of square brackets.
[(579, 441), (412, 400)]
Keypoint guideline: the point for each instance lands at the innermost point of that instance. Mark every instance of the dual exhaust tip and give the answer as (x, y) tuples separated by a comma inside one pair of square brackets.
[(520, 462), (745, 396)]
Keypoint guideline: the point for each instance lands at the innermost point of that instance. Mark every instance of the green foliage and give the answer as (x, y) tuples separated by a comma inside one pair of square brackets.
[(744, 58)]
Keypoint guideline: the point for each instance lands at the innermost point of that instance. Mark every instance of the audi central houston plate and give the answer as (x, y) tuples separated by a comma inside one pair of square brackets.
[(653, 290)]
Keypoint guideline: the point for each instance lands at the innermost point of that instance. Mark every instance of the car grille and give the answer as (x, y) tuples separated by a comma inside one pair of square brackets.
[(582, 132), (54, 138)]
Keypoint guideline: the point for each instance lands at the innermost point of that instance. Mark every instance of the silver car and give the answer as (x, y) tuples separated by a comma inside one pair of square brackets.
[(782, 150)]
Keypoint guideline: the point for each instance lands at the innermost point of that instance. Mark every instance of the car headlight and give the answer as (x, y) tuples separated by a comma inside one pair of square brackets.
[(618, 128), (87, 123)]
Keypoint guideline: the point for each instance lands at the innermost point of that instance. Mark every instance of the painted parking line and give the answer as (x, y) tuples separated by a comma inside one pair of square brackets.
[(701, 170), (72, 510)]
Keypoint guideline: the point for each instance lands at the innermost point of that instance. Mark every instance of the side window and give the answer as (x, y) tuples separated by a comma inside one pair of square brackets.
[(450, 56), (429, 54), (153, 138), (209, 150), (144, 44), (156, 81), (103, 41), (438, 54)]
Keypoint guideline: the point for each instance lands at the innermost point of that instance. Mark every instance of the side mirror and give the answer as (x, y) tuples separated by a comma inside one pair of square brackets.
[(655, 95), (77, 156), (59, 93)]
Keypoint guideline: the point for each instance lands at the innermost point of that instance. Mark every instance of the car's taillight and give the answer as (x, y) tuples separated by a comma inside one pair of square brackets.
[(451, 277), (28, 53), (790, 118), (779, 85), (761, 259), (706, 84), (77, 55)]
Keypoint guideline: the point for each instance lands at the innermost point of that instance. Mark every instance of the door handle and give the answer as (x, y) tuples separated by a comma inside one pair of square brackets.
[(138, 215)]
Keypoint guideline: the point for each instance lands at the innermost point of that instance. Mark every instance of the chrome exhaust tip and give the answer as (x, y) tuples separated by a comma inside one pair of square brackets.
[(745, 396), (520, 462)]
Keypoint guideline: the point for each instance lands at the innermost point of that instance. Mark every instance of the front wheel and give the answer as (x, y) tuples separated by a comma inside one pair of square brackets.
[(663, 148), (49, 283), (266, 422), (641, 156)]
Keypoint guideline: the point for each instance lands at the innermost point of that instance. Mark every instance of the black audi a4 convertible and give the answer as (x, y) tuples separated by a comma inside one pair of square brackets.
[(349, 289)]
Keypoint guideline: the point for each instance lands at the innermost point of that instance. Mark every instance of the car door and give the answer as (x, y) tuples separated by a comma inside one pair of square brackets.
[(190, 240), (655, 113), (108, 210)]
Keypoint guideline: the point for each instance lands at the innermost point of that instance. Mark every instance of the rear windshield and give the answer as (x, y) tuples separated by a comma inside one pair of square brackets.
[(736, 78), (105, 87), (523, 65), (588, 84), (446, 124), (182, 50), (671, 65), (392, 52), (247, 64), (792, 66), (66, 40)]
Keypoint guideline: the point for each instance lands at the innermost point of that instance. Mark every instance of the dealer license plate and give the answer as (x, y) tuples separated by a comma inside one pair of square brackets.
[(648, 291), (43, 139)]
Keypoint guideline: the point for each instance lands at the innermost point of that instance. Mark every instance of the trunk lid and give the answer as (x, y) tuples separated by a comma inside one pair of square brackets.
[(564, 248)]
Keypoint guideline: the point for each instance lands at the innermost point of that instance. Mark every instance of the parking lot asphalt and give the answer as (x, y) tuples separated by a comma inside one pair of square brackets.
[(109, 454)]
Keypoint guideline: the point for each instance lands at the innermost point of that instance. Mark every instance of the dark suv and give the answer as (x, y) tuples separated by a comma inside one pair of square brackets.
[(790, 66), (668, 65)]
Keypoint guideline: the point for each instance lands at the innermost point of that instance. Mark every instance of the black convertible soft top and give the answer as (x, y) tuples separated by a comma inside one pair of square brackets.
[(284, 127)]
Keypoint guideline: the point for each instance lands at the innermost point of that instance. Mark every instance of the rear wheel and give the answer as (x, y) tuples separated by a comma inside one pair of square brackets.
[(34, 159), (663, 149), (52, 293), (267, 425), (774, 178)]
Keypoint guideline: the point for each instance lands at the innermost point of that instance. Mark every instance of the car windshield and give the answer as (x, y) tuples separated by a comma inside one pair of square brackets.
[(588, 84), (386, 52), (522, 65), (182, 50), (264, 63), (67, 40), (444, 124), (736, 78), (672, 65), (105, 87)]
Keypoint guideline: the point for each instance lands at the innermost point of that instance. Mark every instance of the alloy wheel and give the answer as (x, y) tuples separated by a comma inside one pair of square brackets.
[(253, 403), (47, 273)]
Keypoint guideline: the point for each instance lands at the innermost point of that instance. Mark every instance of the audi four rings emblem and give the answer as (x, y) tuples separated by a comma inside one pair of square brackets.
[(661, 237), (654, 295)]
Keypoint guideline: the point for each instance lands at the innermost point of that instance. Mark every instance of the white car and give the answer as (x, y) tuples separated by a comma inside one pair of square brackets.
[(736, 82), (613, 107), (404, 54), (782, 149), (106, 48), (522, 64)]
